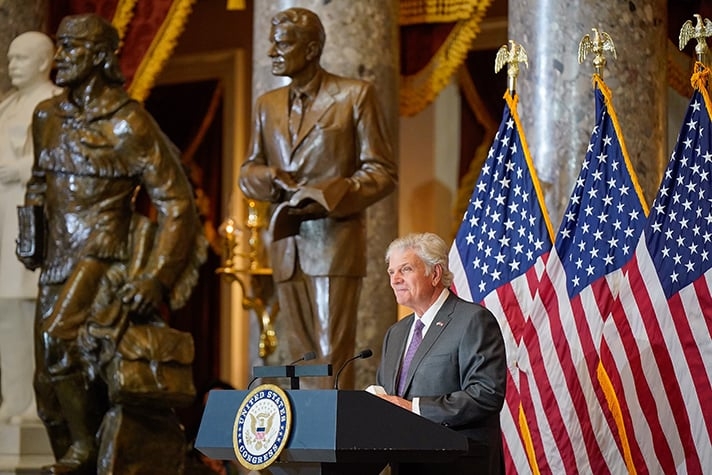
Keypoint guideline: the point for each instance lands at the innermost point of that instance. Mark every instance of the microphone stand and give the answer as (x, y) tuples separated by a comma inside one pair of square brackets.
[(367, 353)]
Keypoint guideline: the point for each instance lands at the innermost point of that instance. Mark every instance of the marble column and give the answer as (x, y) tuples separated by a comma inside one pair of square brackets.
[(361, 42), (24, 445), (556, 101)]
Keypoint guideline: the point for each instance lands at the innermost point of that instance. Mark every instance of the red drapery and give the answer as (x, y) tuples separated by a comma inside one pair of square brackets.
[(148, 30)]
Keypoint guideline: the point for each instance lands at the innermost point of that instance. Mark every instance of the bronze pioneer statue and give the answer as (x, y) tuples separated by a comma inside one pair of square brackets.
[(319, 151), (108, 369)]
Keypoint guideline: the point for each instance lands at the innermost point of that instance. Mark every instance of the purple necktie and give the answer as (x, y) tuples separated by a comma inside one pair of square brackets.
[(412, 348)]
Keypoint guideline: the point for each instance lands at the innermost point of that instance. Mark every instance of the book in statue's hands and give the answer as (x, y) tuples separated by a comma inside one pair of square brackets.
[(282, 224), (285, 222), (31, 237), (327, 193)]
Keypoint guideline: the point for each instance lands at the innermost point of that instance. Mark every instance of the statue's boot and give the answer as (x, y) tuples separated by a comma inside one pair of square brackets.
[(83, 420)]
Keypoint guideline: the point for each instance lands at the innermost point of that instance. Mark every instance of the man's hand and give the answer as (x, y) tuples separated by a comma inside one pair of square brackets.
[(142, 295), (284, 181), (398, 401)]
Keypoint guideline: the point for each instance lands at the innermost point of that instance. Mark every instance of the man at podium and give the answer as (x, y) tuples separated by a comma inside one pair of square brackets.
[(446, 361)]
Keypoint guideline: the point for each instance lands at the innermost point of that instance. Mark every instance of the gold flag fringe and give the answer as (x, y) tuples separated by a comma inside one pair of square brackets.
[(700, 81), (700, 77)]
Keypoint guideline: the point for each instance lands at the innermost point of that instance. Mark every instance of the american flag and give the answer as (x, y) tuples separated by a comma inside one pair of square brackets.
[(497, 257), (568, 392), (659, 340)]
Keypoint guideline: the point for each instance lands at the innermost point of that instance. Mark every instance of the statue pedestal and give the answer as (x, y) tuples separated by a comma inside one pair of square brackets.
[(141, 440), (24, 448)]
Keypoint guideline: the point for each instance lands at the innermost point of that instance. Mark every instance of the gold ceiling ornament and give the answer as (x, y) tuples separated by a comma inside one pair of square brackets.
[(512, 56), (412, 12), (700, 31), (598, 45)]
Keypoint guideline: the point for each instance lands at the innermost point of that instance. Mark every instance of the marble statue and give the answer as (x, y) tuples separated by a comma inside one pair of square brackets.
[(30, 57)]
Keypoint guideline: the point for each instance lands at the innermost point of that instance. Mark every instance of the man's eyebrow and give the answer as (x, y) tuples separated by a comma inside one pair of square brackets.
[(405, 264)]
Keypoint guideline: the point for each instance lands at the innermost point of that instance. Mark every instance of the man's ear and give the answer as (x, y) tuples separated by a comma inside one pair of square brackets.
[(312, 50), (99, 57), (45, 66), (437, 274)]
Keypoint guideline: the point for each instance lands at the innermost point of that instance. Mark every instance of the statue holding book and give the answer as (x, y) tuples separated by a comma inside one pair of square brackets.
[(322, 166)]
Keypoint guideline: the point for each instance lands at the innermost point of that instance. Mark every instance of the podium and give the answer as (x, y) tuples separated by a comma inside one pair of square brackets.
[(335, 432)]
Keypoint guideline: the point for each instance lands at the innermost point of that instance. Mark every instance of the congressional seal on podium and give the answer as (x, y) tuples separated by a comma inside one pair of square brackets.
[(262, 426)]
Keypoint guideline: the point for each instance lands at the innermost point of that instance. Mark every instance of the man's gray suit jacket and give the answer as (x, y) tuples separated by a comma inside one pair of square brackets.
[(458, 372)]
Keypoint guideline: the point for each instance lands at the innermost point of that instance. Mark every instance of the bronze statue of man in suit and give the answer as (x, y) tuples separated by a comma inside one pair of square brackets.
[(321, 132)]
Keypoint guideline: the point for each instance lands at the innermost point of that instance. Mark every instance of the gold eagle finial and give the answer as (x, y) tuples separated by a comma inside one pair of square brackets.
[(700, 31), (511, 55), (598, 45)]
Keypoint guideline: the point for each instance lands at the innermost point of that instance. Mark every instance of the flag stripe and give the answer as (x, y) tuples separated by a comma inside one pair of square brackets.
[(516, 444), (661, 354), (563, 366), (682, 317), (628, 376), (590, 336), (539, 428), (549, 415)]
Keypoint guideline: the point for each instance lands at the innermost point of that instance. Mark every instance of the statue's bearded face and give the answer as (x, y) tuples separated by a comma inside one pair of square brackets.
[(75, 60)]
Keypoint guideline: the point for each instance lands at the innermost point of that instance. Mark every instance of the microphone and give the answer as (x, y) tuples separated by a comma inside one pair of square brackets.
[(367, 353), (310, 355)]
